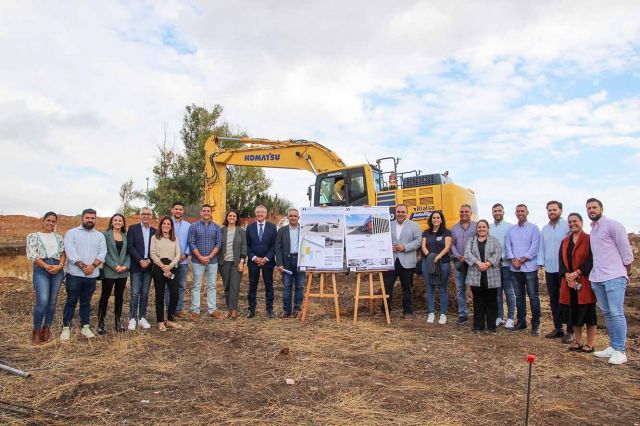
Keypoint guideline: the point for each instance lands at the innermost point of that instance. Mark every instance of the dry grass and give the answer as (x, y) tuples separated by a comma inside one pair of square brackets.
[(234, 373)]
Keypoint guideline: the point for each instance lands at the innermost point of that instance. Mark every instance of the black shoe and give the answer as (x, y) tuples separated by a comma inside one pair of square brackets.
[(519, 327), (535, 331), (119, 325), (408, 316), (101, 329), (270, 315), (295, 313), (462, 320), (251, 314), (554, 334)]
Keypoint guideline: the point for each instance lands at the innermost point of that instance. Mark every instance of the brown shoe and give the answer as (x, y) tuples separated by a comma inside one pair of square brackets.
[(234, 314), (35, 337), (195, 316), (180, 315), (45, 334), (216, 315)]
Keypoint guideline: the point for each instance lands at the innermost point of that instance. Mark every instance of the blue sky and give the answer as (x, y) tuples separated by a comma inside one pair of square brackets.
[(521, 102)]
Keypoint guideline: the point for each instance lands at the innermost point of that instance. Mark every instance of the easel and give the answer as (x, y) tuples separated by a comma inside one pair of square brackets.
[(321, 295), (371, 296)]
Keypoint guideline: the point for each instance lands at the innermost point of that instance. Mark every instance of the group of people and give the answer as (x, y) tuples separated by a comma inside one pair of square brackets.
[(144, 254), (500, 260)]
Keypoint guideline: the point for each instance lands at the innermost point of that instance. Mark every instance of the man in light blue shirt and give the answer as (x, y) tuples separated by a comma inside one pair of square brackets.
[(551, 237), (523, 243), (181, 228), (86, 249), (499, 230)]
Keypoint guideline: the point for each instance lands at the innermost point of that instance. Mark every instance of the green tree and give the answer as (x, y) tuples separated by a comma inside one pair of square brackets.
[(179, 174), (128, 195)]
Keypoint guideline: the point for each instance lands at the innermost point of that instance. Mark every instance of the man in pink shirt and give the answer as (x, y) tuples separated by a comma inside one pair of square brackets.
[(612, 257)]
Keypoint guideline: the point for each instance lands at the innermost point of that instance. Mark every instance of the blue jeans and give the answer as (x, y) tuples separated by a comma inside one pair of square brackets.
[(140, 282), (199, 271), (78, 288), (445, 270), (461, 291), (527, 284), (181, 278), (288, 282), (507, 289), (610, 295), (46, 287)]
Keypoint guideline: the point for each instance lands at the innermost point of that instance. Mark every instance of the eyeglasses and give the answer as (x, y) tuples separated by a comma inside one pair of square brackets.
[(146, 214)]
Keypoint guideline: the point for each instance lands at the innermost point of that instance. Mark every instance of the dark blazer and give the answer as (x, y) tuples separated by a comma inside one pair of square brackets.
[(266, 247), (135, 245), (239, 245), (114, 259), (283, 249)]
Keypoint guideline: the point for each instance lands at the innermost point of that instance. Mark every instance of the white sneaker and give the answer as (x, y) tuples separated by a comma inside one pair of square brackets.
[(605, 353), (498, 322), (86, 332), (509, 323), (144, 323), (66, 334), (132, 324), (443, 319), (431, 317), (618, 358)]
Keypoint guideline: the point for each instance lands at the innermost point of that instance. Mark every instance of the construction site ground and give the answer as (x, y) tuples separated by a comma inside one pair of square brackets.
[(371, 373)]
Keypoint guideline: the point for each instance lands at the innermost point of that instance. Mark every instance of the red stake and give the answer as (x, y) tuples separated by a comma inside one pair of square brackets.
[(530, 359)]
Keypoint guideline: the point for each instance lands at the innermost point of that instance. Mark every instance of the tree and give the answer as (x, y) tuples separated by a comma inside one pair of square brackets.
[(128, 195), (179, 174)]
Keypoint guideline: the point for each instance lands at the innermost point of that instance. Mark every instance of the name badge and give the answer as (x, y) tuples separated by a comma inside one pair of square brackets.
[(439, 238)]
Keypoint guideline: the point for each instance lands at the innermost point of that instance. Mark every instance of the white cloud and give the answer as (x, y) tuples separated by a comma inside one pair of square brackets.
[(88, 87)]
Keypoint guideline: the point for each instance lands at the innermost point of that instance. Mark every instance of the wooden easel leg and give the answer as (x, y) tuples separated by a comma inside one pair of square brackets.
[(384, 298), (305, 302), (371, 304), (335, 297), (322, 282), (356, 298)]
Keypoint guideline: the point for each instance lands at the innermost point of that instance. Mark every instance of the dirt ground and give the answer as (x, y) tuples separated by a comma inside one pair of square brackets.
[(234, 372)]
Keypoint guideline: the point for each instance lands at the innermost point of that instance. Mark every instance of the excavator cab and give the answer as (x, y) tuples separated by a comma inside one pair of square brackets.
[(346, 187)]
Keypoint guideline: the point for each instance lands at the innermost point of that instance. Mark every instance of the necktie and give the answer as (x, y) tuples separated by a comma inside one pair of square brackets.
[(260, 231)]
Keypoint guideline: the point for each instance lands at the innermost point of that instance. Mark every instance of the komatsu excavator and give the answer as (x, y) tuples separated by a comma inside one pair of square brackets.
[(336, 183)]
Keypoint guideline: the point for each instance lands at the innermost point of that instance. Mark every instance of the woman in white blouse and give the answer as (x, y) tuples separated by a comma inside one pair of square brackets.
[(46, 250), (165, 254)]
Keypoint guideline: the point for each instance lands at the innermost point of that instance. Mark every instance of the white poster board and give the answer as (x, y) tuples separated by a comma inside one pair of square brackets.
[(368, 238), (321, 239)]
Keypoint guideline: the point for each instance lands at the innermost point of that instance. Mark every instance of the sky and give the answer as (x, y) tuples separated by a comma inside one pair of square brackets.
[(523, 102)]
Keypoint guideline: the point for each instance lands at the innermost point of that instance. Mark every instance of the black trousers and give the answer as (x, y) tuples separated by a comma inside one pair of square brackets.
[(159, 283), (406, 281), (485, 308), (254, 277), (554, 281), (107, 287)]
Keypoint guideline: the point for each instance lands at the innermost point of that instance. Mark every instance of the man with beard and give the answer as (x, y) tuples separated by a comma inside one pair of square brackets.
[(86, 249), (551, 238), (499, 230), (139, 248), (181, 228), (612, 258), (523, 242)]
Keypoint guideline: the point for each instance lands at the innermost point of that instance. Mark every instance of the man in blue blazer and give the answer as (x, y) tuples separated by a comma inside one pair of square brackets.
[(139, 246), (261, 247)]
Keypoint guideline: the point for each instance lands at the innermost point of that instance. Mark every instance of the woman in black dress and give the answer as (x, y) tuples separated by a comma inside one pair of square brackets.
[(577, 300)]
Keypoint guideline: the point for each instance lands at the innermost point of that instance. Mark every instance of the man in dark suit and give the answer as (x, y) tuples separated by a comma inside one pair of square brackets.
[(287, 245), (261, 245), (138, 246)]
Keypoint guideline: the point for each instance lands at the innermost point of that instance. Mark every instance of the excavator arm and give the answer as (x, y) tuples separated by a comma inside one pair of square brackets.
[(289, 154)]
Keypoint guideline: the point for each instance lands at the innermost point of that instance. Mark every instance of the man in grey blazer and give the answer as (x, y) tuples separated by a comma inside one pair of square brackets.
[(406, 237), (287, 244)]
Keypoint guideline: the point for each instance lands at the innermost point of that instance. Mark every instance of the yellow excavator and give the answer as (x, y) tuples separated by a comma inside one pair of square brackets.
[(336, 183)]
